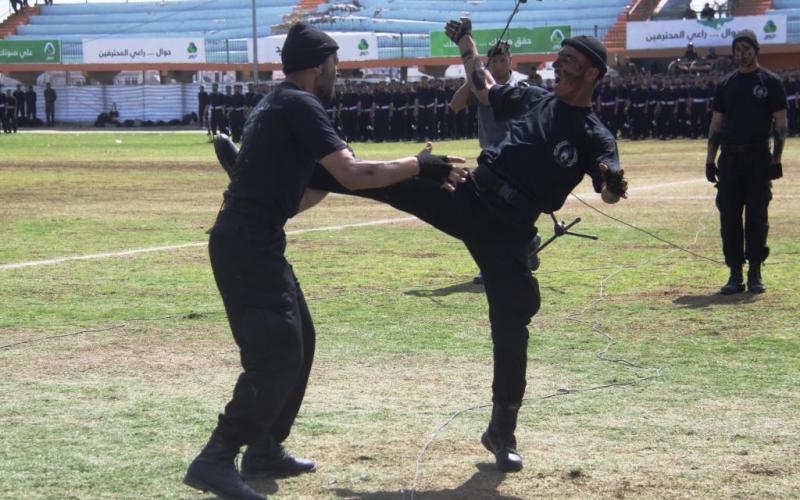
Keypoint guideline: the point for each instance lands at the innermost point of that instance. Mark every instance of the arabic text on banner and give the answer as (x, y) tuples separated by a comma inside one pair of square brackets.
[(702, 33), (144, 50)]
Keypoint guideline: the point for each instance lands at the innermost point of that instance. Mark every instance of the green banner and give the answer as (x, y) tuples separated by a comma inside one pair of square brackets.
[(30, 51), (522, 40)]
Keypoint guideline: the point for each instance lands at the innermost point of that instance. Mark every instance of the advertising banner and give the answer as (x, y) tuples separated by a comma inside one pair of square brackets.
[(702, 33), (144, 50), (352, 47), (522, 40), (30, 51)]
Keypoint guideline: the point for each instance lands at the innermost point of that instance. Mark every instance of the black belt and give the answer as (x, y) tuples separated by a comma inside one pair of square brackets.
[(248, 209), (488, 181), (746, 148)]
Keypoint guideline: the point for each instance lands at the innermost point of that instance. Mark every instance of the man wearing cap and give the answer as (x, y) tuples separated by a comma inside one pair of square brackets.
[(554, 140), (491, 132), (749, 106), (287, 133)]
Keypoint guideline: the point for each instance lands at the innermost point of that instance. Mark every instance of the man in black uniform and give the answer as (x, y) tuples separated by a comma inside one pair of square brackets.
[(749, 104), (698, 109), (426, 110), (251, 98), (638, 110), (608, 104), (202, 106), (398, 112), (285, 136), (383, 103), (19, 96), (11, 113), (553, 141), (2, 109), (366, 110), (349, 113), (236, 113), (30, 104), (216, 102), (49, 105)]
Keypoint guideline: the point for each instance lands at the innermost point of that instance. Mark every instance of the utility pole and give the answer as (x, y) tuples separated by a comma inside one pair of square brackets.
[(255, 46)]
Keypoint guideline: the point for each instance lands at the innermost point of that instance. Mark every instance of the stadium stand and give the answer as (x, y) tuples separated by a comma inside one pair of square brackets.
[(225, 24)]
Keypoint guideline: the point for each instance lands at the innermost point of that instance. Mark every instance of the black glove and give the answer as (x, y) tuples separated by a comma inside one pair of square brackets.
[(712, 172), (615, 182), (456, 30), (433, 167), (775, 171)]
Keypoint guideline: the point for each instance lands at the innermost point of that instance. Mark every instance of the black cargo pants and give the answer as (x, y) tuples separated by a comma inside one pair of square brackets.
[(271, 325), (497, 237), (744, 186)]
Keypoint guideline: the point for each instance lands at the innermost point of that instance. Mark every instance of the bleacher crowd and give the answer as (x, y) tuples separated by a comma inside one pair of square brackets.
[(634, 106)]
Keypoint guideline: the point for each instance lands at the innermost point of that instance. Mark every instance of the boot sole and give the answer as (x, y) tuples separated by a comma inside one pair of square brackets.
[(732, 292)]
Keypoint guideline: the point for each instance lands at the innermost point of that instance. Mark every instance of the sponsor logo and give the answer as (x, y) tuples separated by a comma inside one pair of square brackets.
[(760, 91)]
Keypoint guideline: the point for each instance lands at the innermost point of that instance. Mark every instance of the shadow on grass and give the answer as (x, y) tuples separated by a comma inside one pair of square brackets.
[(467, 287), (483, 484), (716, 299)]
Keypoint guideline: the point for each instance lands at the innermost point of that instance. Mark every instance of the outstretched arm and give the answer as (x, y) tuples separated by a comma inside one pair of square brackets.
[(360, 174), (460, 32)]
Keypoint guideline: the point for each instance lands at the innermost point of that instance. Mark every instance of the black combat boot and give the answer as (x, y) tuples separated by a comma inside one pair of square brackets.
[(269, 459), (499, 438), (735, 283), (754, 283), (214, 471)]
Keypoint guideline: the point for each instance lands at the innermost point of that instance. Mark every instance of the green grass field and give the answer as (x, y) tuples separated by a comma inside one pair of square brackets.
[(112, 369)]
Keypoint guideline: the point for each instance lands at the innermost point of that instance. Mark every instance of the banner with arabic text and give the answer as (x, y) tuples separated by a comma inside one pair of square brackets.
[(715, 33), (522, 40), (352, 47), (30, 51), (144, 50)]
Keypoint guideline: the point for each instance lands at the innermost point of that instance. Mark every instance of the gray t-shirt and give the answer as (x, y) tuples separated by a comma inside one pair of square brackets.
[(490, 131)]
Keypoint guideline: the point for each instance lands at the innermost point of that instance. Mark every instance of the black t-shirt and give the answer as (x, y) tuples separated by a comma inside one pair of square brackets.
[(251, 99), (216, 99), (426, 96), (287, 133), (202, 98), (748, 100), (550, 145)]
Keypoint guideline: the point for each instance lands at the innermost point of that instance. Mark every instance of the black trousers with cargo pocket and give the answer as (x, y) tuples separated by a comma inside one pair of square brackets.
[(744, 186), (271, 325), (498, 237)]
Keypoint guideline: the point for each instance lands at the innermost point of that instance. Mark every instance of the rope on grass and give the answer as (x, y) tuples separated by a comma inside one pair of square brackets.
[(124, 323)]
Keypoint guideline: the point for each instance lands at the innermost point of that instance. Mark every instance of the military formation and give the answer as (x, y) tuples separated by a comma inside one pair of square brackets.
[(669, 107), (632, 107)]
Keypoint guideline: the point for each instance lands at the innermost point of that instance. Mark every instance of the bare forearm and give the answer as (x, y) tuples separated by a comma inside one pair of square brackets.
[(460, 98), (376, 174), (713, 145), (474, 69)]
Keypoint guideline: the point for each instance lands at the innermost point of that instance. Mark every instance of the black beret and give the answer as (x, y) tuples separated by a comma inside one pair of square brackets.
[(305, 47), (592, 48), (746, 36)]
